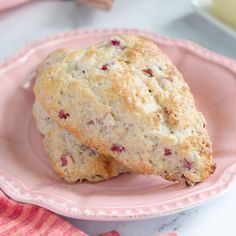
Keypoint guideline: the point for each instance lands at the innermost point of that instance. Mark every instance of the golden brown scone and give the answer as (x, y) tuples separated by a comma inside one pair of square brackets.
[(126, 99), (70, 159)]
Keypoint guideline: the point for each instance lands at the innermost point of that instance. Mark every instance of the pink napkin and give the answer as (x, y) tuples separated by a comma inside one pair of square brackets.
[(24, 219)]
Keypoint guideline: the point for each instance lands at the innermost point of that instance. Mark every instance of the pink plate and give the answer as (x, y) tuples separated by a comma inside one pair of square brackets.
[(25, 174)]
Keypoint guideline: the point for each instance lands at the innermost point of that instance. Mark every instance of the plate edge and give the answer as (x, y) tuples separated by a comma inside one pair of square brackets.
[(230, 64)]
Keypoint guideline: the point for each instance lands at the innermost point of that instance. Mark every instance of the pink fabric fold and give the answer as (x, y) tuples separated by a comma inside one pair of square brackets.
[(25, 219)]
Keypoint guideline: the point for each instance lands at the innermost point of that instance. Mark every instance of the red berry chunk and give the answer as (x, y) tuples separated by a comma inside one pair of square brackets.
[(149, 72), (112, 233), (63, 115), (117, 148), (105, 67), (187, 165), (63, 160), (168, 152), (115, 42)]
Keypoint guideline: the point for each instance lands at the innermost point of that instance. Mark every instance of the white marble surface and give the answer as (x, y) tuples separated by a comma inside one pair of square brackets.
[(171, 17)]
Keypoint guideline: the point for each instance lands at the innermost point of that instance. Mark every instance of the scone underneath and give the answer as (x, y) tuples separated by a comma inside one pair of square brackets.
[(70, 159)]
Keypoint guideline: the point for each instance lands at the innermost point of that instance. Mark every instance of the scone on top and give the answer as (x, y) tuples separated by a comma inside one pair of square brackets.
[(125, 99), (70, 159)]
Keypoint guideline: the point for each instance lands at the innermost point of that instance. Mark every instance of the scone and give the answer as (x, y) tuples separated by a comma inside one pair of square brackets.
[(70, 159), (125, 99)]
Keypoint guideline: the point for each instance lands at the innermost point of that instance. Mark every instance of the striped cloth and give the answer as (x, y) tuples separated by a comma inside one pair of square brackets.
[(24, 219), (20, 219)]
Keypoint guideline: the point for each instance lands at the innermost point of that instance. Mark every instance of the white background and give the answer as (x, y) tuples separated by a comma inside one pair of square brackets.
[(175, 18)]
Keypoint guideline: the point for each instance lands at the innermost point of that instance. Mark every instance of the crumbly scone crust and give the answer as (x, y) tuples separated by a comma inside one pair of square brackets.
[(70, 159), (126, 99)]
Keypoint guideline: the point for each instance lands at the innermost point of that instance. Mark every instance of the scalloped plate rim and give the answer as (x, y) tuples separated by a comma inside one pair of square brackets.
[(10, 185)]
